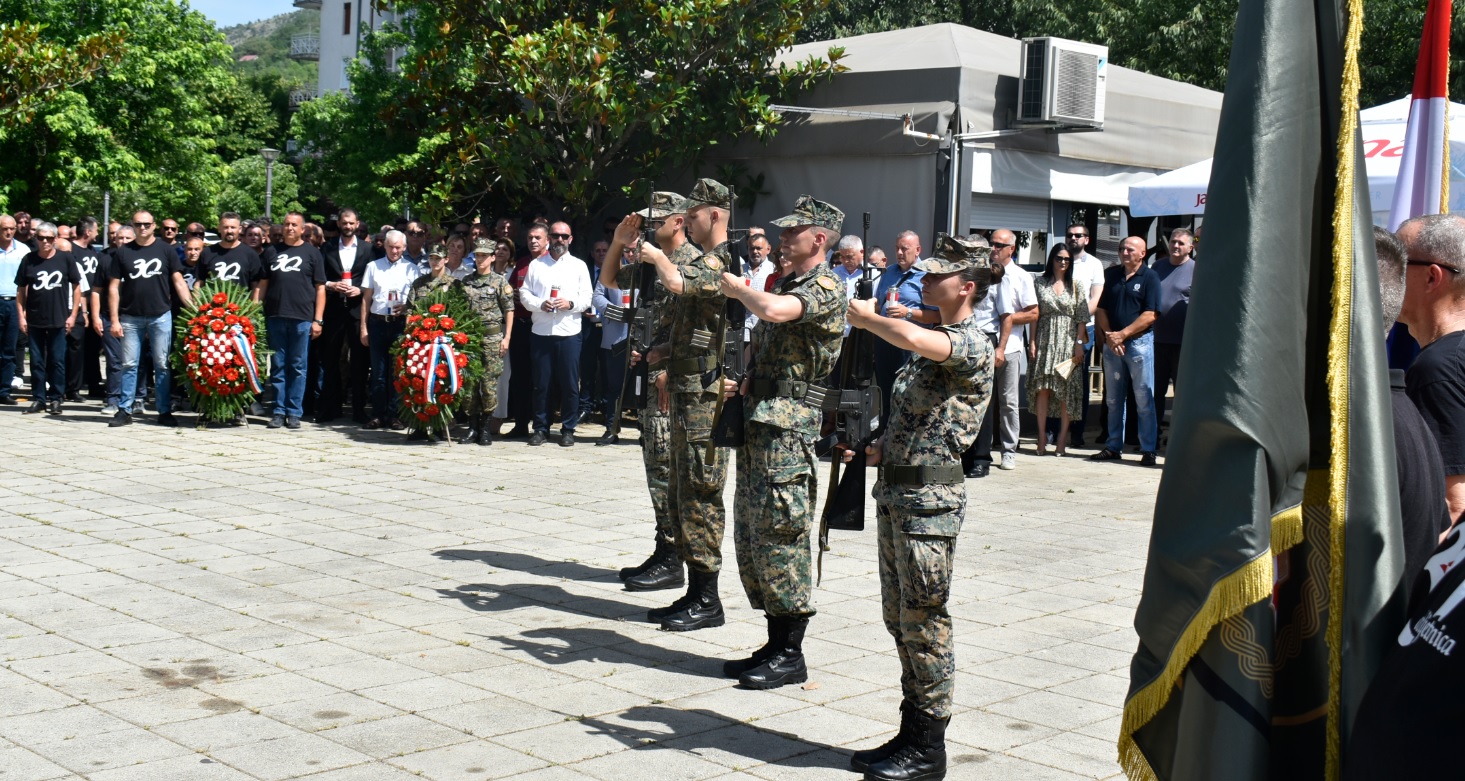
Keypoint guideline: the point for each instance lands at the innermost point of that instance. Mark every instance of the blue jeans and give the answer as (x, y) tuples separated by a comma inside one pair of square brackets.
[(9, 337), (112, 351), (381, 335), (158, 331), (48, 363), (1136, 366), (556, 360), (291, 340)]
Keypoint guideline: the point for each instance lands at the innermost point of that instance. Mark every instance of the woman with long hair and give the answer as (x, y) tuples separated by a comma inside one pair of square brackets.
[(1058, 348)]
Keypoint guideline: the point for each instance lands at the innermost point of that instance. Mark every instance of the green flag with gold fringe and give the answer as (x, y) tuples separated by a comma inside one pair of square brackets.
[(1272, 588)]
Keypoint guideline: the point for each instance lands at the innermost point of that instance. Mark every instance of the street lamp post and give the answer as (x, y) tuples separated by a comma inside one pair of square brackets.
[(270, 156)]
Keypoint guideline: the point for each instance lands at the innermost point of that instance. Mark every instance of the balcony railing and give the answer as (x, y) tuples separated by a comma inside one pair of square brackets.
[(302, 95), (305, 47), (310, 4)]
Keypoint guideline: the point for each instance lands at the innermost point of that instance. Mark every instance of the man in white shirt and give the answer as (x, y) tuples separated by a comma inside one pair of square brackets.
[(556, 291), (12, 251), (849, 256), (1088, 274), (760, 267), (1018, 297), (384, 289)]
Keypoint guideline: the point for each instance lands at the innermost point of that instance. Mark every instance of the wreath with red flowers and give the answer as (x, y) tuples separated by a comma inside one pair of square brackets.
[(437, 360), (218, 350)]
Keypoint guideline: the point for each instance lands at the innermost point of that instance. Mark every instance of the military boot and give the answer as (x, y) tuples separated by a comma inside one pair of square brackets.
[(656, 614), (665, 572), (786, 664), (631, 572), (923, 758), (861, 761), (703, 610), (485, 431), (475, 424), (736, 667)]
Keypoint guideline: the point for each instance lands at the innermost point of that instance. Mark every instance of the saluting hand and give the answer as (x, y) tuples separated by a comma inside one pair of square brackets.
[(627, 232)]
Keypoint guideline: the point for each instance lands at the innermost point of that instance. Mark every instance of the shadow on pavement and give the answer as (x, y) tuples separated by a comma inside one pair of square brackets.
[(690, 733), (523, 562), (576, 645), (492, 598)]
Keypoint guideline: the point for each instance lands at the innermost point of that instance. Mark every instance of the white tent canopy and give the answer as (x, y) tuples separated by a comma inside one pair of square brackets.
[(1183, 191)]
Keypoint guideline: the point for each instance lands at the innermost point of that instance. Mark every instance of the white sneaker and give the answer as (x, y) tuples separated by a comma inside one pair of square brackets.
[(1009, 462), (109, 409)]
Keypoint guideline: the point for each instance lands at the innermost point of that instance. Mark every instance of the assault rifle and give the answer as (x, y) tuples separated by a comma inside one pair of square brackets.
[(638, 311), (727, 416), (855, 401)]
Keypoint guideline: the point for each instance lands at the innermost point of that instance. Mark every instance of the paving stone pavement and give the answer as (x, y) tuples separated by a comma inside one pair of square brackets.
[(339, 605)]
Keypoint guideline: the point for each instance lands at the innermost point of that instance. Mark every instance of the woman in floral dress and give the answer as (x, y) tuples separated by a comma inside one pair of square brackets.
[(1060, 337)]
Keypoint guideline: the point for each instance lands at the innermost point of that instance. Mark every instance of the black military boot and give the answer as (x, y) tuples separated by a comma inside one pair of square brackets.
[(475, 424), (786, 664), (923, 758), (736, 667), (860, 761), (702, 611), (485, 431), (656, 614), (665, 572), (631, 572)]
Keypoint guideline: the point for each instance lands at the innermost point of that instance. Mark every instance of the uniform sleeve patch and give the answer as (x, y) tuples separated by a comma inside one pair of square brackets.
[(712, 262), (827, 283)]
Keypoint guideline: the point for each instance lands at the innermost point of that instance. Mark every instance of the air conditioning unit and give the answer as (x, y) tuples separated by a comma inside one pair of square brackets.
[(1062, 83)]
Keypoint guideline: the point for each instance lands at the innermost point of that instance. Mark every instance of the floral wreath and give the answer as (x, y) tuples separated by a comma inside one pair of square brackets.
[(218, 350), (437, 360)]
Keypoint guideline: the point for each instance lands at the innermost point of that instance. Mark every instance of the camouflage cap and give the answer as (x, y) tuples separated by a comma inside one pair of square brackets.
[(952, 254), (437, 251), (485, 247), (710, 192), (663, 205), (808, 211)]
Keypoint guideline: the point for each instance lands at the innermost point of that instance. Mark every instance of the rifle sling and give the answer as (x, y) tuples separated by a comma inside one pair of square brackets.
[(698, 365), (909, 474)]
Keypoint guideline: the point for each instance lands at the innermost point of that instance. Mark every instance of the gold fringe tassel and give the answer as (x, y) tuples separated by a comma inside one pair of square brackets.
[(1339, 350), (1232, 594), (1286, 529)]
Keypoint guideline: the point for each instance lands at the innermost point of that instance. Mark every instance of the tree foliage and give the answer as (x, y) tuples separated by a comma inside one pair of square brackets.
[(35, 64), (545, 105), (1187, 41), (244, 189)]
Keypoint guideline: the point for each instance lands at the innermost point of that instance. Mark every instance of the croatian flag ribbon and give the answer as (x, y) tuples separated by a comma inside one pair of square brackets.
[(241, 344), (442, 351)]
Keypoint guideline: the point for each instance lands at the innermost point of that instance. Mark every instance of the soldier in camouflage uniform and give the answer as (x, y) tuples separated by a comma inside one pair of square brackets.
[(936, 409), (697, 308), (666, 215), (795, 344), (492, 299), (435, 280)]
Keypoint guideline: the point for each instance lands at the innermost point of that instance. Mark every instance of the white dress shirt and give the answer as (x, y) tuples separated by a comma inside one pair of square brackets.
[(1087, 272), (348, 254), (1016, 293), (571, 276), (389, 283)]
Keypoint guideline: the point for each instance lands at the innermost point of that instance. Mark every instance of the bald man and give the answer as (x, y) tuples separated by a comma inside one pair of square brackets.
[(1127, 309)]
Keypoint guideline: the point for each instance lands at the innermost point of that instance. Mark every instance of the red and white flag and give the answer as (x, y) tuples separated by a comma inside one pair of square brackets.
[(1423, 183)]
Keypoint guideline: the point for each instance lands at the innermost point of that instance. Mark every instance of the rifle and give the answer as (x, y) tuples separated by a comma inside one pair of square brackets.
[(727, 416), (638, 311), (855, 401)]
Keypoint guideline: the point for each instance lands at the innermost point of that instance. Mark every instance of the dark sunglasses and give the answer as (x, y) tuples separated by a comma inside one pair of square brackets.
[(173, 228), (142, 225), (1078, 235), (416, 233), (998, 245), (39, 237), (196, 233), (1450, 269), (565, 236)]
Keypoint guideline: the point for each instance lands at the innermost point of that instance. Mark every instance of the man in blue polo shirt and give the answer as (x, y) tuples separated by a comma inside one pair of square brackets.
[(1127, 308), (902, 280)]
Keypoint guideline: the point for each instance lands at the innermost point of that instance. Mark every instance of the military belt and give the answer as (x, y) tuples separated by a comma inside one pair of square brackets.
[(908, 474), (790, 389), (494, 330), (698, 365)]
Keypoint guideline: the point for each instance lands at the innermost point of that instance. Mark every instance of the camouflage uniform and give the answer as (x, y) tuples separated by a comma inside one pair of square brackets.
[(774, 506), (655, 424), (426, 285), (492, 299), (695, 500), (935, 414)]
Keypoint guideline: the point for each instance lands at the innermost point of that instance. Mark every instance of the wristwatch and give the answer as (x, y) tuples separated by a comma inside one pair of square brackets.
[(319, 322)]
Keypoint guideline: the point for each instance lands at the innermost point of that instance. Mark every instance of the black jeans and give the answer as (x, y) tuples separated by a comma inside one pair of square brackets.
[(612, 377), (48, 363), (981, 450), (521, 376), (555, 360), (1167, 371)]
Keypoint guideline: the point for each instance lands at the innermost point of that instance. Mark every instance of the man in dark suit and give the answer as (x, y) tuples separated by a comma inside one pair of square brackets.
[(345, 263)]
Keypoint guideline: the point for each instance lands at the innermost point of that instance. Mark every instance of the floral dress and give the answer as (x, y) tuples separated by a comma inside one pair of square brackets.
[(1055, 330)]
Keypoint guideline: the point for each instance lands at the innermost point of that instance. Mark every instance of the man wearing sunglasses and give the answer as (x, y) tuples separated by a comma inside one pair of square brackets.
[(48, 301), (1434, 310), (556, 292), (416, 244), (141, 281), (12, 252)]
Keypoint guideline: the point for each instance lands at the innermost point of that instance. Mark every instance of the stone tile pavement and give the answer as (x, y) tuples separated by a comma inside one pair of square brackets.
[(337, 604)]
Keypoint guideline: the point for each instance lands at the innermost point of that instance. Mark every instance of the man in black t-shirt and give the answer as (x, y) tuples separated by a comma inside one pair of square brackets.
[(83, 366), (141, 281), (231, 259), (294, 295), (48, 297), (1434, 310)]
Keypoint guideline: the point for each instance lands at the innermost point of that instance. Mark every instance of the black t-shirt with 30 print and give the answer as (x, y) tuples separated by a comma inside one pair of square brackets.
[(293, 273), (145, 278), (47, 282)]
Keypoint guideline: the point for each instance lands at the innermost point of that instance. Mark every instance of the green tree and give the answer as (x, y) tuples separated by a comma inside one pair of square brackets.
[(244, 189), (546, 105), (144, 128), (34, 65)]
